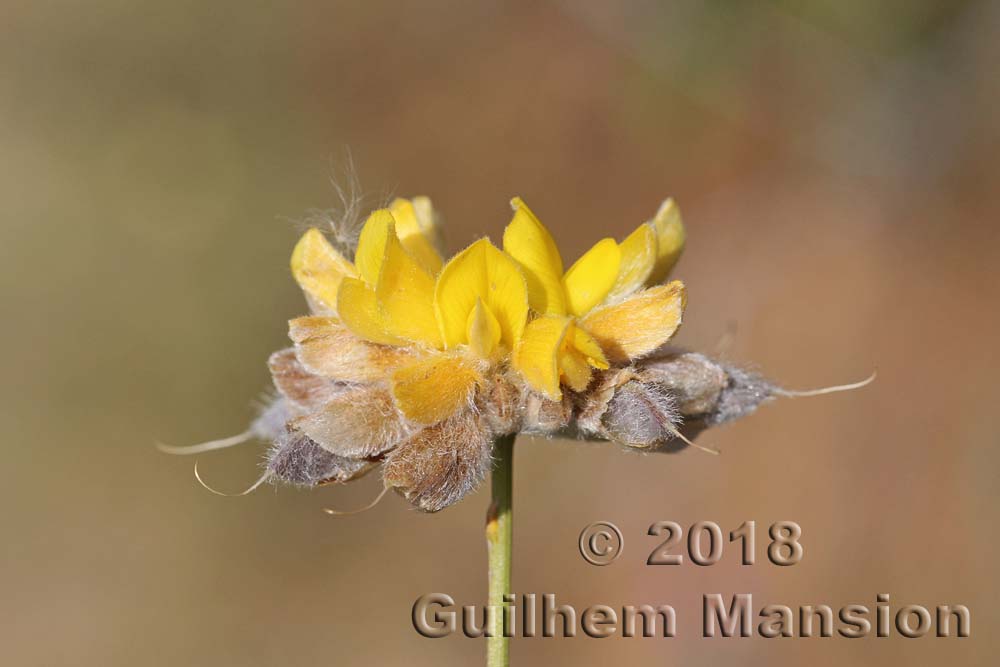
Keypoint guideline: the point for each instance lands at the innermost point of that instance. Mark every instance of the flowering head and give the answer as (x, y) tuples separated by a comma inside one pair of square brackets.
[(419, 364), (410, 354)]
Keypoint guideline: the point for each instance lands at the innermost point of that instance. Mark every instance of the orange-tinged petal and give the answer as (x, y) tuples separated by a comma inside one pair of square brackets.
[(638, 257), (670, 237), (591, 277), (359, 310), (318, 269), (374, 236), (536, 357), (640, 324), (483, 331), (434, 388), (411, 233), (326, 347), (529, 242), (405, 292), (306, 390), (481, 271)]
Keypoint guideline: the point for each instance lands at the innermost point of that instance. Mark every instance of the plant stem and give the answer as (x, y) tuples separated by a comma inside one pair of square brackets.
[(498, 543)]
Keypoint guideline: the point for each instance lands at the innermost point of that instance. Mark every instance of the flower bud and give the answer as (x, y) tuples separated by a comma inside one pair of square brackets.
[(706, 390), (296, 459)]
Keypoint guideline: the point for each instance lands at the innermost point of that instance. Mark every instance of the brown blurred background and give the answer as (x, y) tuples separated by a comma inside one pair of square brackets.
[(836, 163)]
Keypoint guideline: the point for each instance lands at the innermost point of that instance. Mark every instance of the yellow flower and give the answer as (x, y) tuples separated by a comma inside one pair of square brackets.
[(604, 309), (421, 365), (395, 313)]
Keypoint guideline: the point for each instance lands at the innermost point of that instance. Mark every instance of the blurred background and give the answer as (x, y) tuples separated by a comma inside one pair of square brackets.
[(836, 163)]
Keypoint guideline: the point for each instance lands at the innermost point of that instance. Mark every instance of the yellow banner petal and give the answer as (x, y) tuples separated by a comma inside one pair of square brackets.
[(324, 346), (529, 242), (481, 271), (536, 357), (640, 324), (370, 254), (484, 331), (434, 388), (591, 277), (670, 237), (411, 233), (638, 257), (318, 269), (359, 310), (405, 291)]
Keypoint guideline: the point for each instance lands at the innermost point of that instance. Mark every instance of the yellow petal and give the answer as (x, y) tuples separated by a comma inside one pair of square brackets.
[(591, 278), (434, 388), (484, 331), (405, 292), (578, 354), (360, 311), (536, 357), (370, 254), (586, 346), (669, 240), (481, 271), (411, 233), (574, 371), (638, 252), (528, 242), (324, 346), (318, 269), (640, 324)]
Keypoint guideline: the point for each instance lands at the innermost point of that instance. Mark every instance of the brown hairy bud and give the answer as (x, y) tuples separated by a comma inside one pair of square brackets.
[(651, 403), (442, 463), (641, 414), (545, 417), (592, 404), (501, 402), (706, 390), (325, 431), (295, 459), (743, 394), (694, 380)]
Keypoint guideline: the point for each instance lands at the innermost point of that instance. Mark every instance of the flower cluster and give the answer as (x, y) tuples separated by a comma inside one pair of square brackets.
[(433, 331), (419, 364)]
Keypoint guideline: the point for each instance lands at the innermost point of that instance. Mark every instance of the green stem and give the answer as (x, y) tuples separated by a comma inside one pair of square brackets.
[(498, 543)]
